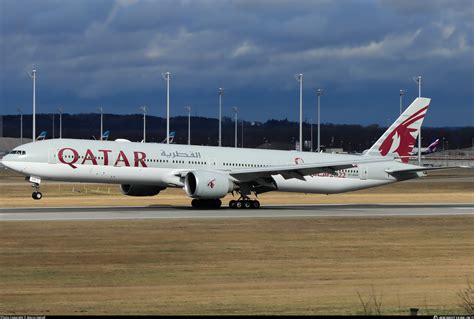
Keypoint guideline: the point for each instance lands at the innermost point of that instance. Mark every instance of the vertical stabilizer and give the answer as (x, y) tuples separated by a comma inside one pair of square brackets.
[(400, 138)]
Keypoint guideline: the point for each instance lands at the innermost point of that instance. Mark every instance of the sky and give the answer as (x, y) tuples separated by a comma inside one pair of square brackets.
[(112, 54)]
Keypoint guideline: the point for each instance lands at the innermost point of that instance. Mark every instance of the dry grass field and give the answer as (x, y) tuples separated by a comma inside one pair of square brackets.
[(248, 266)]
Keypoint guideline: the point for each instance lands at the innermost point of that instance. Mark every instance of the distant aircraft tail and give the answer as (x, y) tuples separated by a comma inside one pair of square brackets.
[(41, 136), (433, 147), (400, 138), (105, 135), (172, 135)]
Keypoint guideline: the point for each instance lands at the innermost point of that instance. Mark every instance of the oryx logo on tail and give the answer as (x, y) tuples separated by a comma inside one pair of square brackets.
[(400, 138), (403, 138)]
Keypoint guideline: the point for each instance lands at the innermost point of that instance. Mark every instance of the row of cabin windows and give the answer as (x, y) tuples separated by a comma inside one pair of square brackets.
[(149, 160), (101, 158), (183, 162), (351, 170), (245, 165)]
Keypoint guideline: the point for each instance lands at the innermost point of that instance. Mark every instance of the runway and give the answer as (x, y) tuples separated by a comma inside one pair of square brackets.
[(280, 211)]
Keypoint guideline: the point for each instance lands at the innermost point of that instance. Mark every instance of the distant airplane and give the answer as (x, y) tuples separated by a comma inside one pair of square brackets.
[(172, 135), (208, 173), (426, 150), (42, 136)]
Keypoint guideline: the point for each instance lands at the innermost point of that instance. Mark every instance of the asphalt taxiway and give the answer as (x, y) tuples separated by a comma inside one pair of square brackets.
[(280, 211)]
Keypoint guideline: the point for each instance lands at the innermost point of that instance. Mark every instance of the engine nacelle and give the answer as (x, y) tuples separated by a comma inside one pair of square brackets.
[(140, 190), (207, 184)]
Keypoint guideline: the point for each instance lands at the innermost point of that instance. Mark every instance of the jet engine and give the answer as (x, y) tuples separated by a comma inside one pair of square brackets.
[(140, 190), (207, 184)]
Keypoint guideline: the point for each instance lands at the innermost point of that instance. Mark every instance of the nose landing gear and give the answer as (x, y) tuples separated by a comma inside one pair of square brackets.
[(36, 195), (35, 181)]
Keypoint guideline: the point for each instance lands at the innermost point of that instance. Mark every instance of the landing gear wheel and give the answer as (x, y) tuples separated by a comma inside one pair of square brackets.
[(238, 204), (232, 204), (255, 204), (195, 203), (247, 204), (217, 203), (37, 195)]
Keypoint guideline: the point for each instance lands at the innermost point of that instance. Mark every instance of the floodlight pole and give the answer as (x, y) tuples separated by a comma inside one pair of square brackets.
[(143, 108), (402, 92), (299, 77), (311, 147), (60, 122), (221, 92), (53, 127), (21, 125), (419, 134), (235, 111), (166, 76), (33, 75), (319, 92), (242, 138), (188, 108), (101, 110)]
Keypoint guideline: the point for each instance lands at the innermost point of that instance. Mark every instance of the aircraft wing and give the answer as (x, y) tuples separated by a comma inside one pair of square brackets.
[(297, 171)]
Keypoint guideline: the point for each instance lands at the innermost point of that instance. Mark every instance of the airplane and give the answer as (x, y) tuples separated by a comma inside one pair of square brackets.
[(426, 150), (208, 173)]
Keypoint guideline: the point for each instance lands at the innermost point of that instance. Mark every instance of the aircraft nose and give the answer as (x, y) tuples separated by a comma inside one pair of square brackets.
[(6, 162)]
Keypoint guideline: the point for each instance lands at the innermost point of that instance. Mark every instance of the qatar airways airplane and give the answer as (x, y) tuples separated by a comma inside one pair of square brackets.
[(208, 173)]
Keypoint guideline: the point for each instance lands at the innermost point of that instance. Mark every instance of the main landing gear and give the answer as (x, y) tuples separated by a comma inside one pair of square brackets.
[(244, 202), (36, 195), (206, 203)]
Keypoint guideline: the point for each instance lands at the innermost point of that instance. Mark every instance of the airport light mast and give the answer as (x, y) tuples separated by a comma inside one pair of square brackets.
[(21, 126), (311, 123), (166, 76), (188, 109), (101, 110), (221, 92), (319, 92), (418, 80), (242, 138), (402, 92), (143, 108), (235, 112), (33, 76), (60, 109), (299, 78)]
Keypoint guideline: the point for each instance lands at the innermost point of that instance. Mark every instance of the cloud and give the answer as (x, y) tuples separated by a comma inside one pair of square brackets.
[(100, 50)]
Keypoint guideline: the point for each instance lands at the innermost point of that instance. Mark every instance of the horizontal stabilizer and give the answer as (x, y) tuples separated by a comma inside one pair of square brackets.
[(421, 169)]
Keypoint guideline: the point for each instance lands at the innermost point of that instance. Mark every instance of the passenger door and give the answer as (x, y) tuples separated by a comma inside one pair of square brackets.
[(52, 156)]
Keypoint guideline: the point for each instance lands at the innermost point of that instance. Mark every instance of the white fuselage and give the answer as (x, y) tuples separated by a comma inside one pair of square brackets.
[(160, 164)]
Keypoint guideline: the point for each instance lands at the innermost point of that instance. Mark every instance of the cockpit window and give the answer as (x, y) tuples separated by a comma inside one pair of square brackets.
[(17, 152)]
